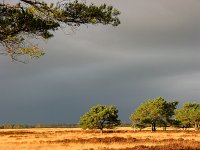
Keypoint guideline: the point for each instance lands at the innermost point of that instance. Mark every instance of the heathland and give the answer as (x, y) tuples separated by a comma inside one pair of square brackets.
[(122, 138)]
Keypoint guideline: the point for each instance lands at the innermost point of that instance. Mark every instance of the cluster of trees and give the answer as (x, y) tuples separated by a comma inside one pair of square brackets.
[(14, 126), (159, 112), (22, 126), (23, 22), (154, 112)]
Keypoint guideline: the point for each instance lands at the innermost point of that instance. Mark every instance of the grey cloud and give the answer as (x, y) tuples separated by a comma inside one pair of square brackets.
[(154, 52)]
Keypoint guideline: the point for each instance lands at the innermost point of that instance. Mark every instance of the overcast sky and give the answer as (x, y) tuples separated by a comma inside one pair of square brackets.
[(154, 52)]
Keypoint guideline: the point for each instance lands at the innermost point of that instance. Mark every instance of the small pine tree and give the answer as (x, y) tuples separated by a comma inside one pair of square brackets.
[(189, 115), (100, 117)]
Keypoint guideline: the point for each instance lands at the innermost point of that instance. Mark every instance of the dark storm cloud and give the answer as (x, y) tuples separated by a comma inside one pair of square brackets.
[(160, 25), (154, 52)]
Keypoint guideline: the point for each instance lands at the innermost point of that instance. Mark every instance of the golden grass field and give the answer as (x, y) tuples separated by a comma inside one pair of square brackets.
[(117, 139)]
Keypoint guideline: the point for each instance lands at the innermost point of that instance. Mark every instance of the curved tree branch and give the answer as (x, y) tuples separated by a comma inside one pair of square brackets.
[(38, 19)]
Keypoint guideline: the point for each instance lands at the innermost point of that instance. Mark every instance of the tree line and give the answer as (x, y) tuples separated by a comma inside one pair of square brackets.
[(154, 112), (39, 125)]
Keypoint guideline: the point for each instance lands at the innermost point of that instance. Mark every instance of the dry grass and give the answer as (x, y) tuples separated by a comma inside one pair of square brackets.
[(74, 139)]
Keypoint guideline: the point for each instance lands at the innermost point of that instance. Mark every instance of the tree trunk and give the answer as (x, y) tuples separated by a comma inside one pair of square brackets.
[(196, 126), (164, 128), (101, 131), (153, 127)]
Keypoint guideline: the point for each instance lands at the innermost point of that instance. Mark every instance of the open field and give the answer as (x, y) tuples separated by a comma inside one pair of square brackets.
[(74, 139)]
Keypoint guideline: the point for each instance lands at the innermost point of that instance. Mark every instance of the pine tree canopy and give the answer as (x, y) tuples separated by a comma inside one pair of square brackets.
[(33, 19)]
